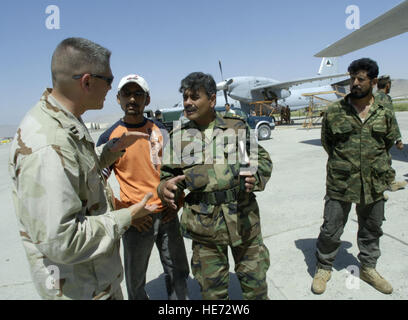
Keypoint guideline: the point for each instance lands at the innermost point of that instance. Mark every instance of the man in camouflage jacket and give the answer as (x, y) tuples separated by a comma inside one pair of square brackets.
[(220, 209), (63, 204), (384, 88), (357, 133)]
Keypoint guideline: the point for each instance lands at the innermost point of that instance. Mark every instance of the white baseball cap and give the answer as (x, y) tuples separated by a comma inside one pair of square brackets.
[(136, 79)]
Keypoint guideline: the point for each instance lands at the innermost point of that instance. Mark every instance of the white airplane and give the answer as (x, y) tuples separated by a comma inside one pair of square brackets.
[(249, 89), (388, 25)]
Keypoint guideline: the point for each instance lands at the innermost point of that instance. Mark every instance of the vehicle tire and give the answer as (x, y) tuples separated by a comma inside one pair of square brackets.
[(264, 132)]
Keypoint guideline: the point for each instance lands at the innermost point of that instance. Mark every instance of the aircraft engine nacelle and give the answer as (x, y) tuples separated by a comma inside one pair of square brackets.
[(283, 93), (276, 94)]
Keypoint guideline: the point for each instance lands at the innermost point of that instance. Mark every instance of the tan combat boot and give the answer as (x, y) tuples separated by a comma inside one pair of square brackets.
[(372, 277), (397, 185), (319, 281)]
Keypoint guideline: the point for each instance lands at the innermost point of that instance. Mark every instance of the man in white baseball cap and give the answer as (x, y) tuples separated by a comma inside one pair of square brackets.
[(139, 170), (135, 79)]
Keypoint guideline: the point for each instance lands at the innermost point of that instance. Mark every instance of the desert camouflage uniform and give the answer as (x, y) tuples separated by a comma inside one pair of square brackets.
[(358, 171), (216, 213), (64, 206)]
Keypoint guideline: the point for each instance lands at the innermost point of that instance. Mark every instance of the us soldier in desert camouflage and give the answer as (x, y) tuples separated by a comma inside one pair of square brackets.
[(221, 209), (357, 133), (63, 204)]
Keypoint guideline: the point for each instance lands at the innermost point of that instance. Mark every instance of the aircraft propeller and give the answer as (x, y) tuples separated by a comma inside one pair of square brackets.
[(223, 85)]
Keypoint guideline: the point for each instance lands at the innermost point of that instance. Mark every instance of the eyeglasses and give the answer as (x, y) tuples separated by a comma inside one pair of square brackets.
[(108, 80)]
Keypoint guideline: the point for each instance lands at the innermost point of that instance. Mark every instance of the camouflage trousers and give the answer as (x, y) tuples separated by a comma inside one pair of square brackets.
[(370, 219), (210, 267)]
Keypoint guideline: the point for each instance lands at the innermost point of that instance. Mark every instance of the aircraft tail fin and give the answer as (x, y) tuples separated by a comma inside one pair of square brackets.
[(328, 66)]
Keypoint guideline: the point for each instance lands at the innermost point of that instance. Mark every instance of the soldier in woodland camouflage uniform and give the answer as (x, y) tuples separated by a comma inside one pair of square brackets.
[(221, 209), (384, 88), (357, 133), (63, 204)]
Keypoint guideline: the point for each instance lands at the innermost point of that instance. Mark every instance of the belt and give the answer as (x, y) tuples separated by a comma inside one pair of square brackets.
[(214, 197)]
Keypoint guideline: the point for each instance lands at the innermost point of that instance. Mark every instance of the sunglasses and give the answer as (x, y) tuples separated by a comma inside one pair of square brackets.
[(108, 80)]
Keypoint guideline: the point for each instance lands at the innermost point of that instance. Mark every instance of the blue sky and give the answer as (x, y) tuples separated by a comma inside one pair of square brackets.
[(165, 40)]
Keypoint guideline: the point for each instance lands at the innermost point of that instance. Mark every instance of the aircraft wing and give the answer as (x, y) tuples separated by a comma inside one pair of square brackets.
[(288, 84), (388, 25)]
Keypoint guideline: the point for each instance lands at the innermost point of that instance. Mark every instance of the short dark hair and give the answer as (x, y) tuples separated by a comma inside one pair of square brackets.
[(383, 81), (196, 80), (364, 64), (78, 55)]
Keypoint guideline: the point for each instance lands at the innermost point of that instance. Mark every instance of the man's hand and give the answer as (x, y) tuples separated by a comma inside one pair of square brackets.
[(140, 210), (399, 145), (127, 139), (168, 189), (143, 224), (169, 215), (249, 181)]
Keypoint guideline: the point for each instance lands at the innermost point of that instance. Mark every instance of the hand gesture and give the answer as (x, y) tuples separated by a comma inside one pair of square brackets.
[(168, 189), (399, 145), (139, 210), (249, 181)]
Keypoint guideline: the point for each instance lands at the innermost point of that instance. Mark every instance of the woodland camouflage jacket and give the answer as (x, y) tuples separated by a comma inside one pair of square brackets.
[(216, 210), (387, 101), (358, 165)]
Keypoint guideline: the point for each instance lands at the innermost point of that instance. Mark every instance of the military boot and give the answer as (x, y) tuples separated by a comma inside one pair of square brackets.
[(372, 277), (397, 185), (319, 281)]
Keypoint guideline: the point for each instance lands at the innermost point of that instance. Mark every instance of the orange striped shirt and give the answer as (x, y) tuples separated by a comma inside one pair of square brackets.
[(138, 170)]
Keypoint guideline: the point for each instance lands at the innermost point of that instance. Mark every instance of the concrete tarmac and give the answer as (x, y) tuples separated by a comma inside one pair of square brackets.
[(291, 214)]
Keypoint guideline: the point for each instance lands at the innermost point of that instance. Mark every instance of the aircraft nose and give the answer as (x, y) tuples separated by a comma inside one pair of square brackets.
[(223, 85)]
